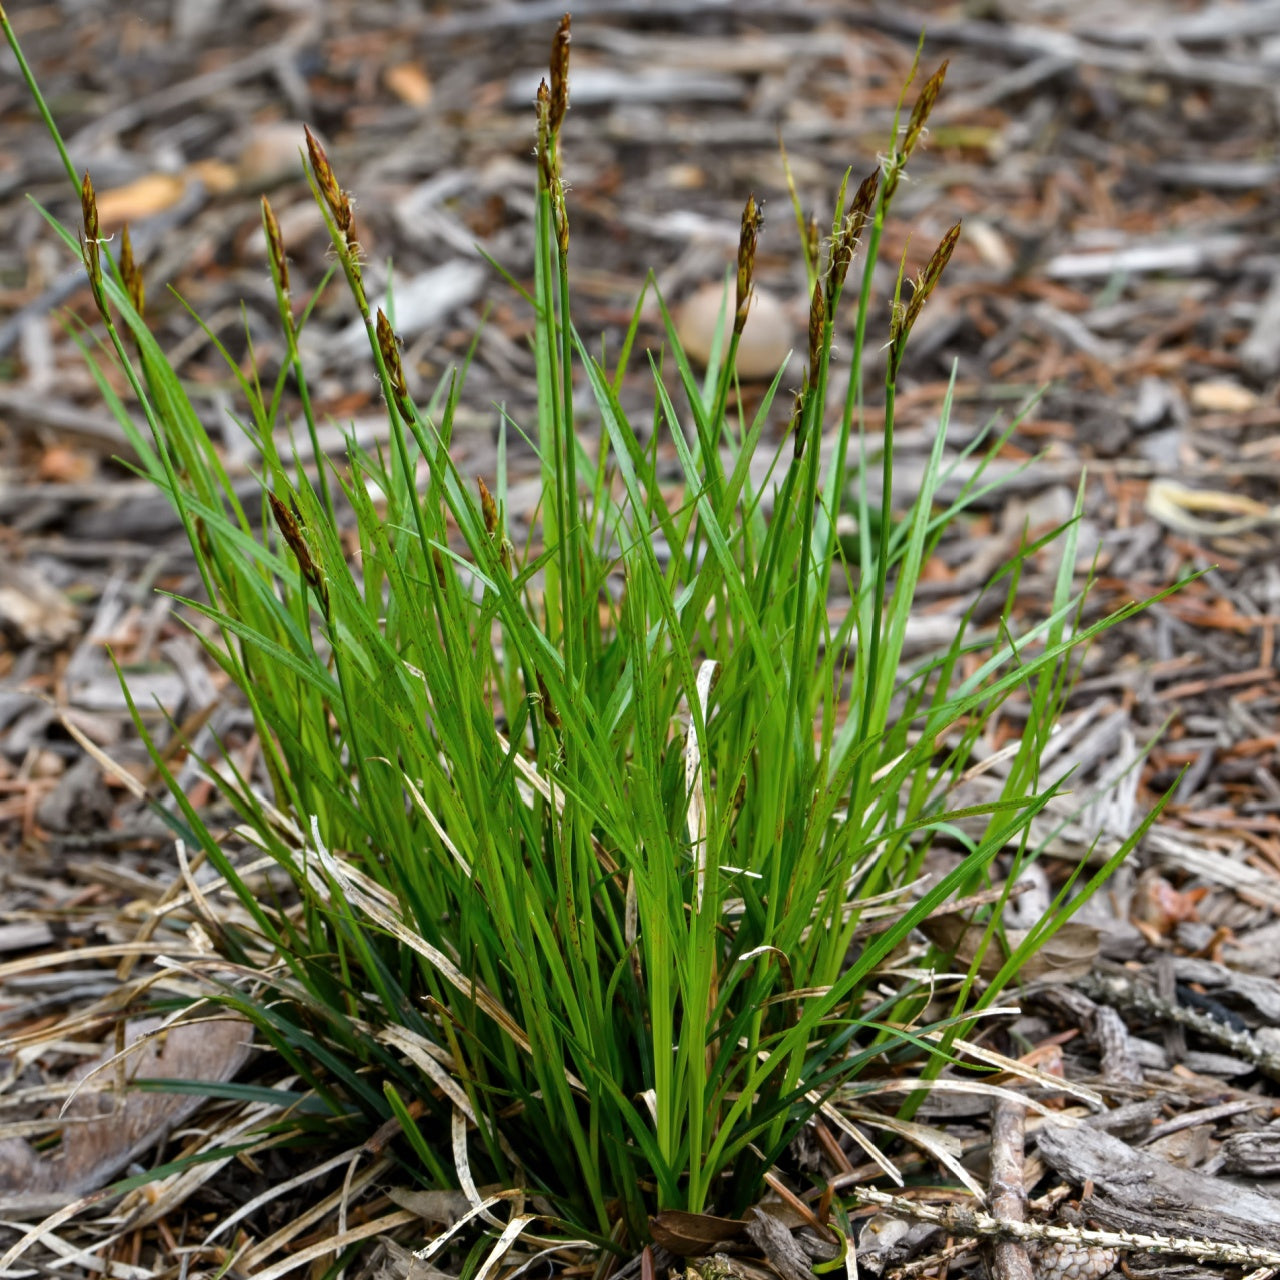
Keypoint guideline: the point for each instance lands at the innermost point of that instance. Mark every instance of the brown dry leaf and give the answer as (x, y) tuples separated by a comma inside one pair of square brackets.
[(62, 465), (32, 610), (392, 1261), (217, 175), (431, 1206), (149, 195), (410, 83), (992, 247), (114, 1130), (690, 1235), (1157, 906), (1223, 396), (1066, 956)]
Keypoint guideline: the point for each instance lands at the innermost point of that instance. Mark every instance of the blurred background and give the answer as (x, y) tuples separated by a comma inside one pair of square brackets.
[(1115, 168)]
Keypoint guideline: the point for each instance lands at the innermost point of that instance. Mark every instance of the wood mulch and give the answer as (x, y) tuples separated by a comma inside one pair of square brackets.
[(1118, 172)]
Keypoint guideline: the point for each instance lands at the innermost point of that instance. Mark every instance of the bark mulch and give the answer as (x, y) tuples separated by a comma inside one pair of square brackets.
[(1118, 282)]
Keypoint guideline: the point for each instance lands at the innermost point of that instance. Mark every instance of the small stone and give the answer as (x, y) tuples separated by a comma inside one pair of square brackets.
[(766, 338), (271, 155), (686, 177), (992, 247), (48, 764)]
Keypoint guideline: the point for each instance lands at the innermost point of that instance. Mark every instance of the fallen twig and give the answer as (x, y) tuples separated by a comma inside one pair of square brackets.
[(1120, 989), (1009, 1258), (964, 1221)]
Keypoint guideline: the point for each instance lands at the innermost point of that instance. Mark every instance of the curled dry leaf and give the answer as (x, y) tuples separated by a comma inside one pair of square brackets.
[(106, 1132), (1172, 505), (148, 195), (1157, 906), (690, 1235), (410, 83), (1069, 954)]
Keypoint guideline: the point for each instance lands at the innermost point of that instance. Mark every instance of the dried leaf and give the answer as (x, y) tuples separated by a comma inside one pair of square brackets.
[(690, 1235), (1171, 504), (1223, 396), (410, 83), (1066, 956), (149, 195), (107, 1132)]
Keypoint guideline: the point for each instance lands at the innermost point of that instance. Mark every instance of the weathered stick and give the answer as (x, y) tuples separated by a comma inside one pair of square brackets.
[(964, 1221), (1009, 1258)]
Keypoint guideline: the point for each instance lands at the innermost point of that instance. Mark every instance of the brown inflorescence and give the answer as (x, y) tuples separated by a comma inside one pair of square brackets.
[(906, 314), (92, 231), (275, 244), (559, 76), (130, 273), (817, 326), (846, 243), (291, 530), (748, 238)]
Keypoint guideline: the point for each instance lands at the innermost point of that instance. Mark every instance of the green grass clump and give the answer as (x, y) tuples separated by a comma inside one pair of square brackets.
[(580, 837)]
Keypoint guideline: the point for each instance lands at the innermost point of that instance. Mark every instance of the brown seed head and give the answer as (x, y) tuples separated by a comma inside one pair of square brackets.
[(841, 256), (748, 238), (920, 112), (559, 76), (389, 348), (350, 237), (812, 240), (89, 208), (930, 277), (863, 202), (546, 144), (796, 425), (560, 212), (488, 507), (548, 707), (275, 244), (339, 205), (846, 242), (130, 274), (291, 531), (92, 231), (817, 325)]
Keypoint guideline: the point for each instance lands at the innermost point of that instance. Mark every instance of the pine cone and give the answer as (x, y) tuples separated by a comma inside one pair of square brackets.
[(1062, 1260)]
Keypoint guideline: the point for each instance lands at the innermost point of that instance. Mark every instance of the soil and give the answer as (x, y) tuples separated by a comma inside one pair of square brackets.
[(1115, 296)]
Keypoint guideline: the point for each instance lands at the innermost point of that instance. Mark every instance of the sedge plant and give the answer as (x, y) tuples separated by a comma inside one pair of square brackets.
[(574, 840)]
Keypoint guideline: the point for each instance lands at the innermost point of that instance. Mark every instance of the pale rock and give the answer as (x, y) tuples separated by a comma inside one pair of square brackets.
[(766, 338), (271, 155)]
